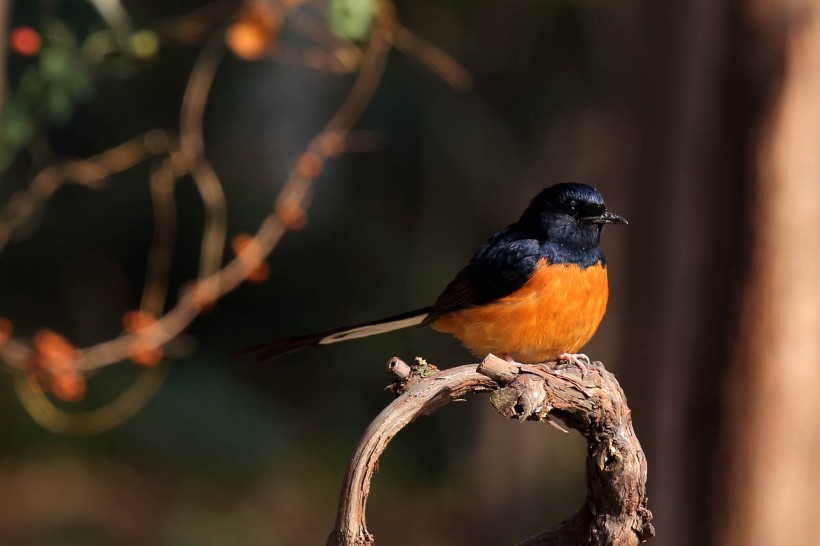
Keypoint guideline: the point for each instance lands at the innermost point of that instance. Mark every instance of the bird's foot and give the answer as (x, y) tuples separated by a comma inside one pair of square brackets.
[(581, 360), (509, 359)]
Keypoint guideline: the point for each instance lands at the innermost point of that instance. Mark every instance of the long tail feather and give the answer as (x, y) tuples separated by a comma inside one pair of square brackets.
[(279, 347)]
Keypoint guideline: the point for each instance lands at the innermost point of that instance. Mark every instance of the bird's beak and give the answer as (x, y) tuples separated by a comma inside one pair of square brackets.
[(606, 218)]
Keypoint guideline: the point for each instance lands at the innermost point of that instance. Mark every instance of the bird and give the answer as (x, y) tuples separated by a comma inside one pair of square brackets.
[(536, 291)]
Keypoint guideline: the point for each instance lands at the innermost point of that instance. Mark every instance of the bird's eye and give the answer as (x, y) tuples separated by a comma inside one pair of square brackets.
[(571, 209)]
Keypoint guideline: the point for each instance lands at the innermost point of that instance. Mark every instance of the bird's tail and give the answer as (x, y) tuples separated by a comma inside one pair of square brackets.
[(279, 347)]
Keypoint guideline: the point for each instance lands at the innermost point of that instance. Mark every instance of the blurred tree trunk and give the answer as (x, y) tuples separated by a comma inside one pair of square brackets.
[(772, 432), (684, 228), (723, 368)]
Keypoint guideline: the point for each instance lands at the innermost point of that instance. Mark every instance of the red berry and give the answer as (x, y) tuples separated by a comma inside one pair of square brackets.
[(25, 41)]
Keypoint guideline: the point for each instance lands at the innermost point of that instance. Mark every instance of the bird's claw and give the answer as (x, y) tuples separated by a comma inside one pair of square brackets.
[(581, 360)]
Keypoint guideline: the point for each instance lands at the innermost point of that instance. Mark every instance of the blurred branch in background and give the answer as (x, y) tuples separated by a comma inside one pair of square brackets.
[(50, 362)]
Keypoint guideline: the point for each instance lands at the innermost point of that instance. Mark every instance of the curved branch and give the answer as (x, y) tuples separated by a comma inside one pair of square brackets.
[(424, 397), (615, 511)]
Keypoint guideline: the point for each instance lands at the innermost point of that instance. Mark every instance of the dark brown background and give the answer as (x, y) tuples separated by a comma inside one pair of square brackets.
[(659, 105)]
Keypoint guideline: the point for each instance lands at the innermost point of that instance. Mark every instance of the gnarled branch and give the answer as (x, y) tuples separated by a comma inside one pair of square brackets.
[(615, 511)]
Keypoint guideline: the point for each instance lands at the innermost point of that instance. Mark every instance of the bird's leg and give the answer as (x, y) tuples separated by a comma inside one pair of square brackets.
[(581, 360), (509, 359)]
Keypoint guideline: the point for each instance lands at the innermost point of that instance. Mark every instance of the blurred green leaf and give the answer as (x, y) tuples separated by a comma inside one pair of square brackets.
[(18, 126), (122, 67), (68, 81), (60, 35), (47, 92), (31, 85), (80, 83), (55, 64), (60, 103), (99, 45), (64, 74), (351, 19)]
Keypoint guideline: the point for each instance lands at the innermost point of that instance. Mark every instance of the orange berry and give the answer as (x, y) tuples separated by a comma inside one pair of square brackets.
[(309, 165), (247, 248), (68, 387), (54, 351), (54, 365), (260, 274), (136, 321), (144, 353), (203, 297), (292, 216), (245, 244), (254, 31), (6, 329)]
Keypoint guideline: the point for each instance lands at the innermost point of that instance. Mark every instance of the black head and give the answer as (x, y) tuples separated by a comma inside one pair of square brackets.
[(570, 215)]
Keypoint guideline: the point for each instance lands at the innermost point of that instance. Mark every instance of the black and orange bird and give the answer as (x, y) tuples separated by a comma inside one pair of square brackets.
[(535, 291)]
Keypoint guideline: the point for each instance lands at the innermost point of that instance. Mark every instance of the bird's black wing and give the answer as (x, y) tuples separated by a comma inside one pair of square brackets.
[(500, 267)]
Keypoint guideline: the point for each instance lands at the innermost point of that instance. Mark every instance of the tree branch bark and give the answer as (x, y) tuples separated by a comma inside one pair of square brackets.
[(615, 511)]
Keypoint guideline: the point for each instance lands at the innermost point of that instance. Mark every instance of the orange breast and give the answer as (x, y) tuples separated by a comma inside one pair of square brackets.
[(556, 311)]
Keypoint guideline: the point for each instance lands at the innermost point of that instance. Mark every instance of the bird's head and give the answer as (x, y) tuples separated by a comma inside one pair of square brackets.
[(570, 215)]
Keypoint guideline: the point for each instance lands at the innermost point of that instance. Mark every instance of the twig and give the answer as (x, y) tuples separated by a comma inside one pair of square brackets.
[(162, 243), (192, 149), (615, 511), (333, 53), (434, 58), (196, 24), (90, 172), (74, 423)]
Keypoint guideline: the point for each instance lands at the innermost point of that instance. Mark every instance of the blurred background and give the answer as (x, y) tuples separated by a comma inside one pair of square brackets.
[(699, 121)]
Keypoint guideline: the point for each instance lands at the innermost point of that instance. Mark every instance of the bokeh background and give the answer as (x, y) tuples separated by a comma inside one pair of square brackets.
[(697, 120)]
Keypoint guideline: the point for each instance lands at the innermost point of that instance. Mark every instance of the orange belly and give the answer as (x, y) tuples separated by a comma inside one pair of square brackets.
[(556, 311)]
